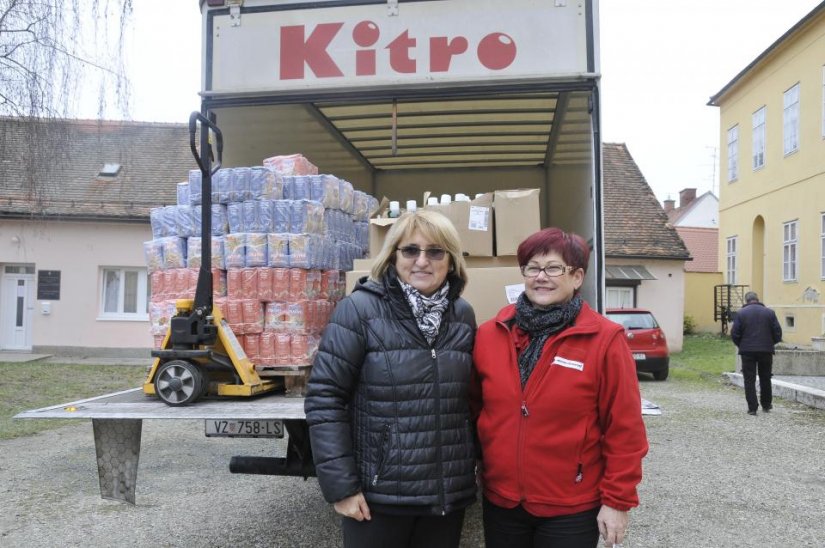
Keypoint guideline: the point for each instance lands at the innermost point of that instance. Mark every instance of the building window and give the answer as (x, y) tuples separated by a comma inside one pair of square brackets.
[(823, 101), (733, 153), (620, 297), (790, 119), (731, 260), (759, 138), (124, 293), (789, 251)]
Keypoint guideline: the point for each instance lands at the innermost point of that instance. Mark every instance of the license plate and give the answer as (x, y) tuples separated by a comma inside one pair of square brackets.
[(237, 428), (638, 356)]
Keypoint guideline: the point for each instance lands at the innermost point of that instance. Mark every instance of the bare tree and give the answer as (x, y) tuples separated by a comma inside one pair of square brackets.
[(48, 48), (56, 57)]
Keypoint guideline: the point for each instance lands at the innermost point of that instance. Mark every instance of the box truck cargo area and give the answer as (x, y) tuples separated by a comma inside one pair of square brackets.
[(401, 98)]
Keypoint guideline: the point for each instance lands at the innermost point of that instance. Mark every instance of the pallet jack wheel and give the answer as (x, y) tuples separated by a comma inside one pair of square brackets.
[(179, 382)]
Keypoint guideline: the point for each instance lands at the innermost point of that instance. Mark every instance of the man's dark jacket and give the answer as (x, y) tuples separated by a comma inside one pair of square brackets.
[(388, 413), (755, 329)]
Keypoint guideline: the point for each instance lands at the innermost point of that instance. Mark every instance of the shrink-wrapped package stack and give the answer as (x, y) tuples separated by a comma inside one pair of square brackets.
[(282, 236)]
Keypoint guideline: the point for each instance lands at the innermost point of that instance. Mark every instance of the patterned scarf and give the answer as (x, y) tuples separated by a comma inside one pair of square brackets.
[(539, 324), (427, 310)]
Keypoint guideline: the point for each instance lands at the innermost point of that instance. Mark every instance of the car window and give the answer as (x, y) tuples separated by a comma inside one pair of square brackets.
[(633, 321)]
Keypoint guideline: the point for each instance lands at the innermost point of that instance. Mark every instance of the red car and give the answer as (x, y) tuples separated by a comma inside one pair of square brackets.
[(645, 338)]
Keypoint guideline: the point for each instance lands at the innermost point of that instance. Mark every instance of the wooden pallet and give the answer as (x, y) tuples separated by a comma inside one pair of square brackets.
[(295, 377)]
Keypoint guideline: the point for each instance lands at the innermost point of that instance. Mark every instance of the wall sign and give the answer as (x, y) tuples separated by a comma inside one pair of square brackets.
[(48, 285)]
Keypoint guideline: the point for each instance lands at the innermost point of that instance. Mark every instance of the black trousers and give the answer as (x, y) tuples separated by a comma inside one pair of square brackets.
[(388, 531), (753, 363), (517, 528)]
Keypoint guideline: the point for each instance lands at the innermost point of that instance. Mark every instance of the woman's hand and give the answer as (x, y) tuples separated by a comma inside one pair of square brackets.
[(354, 507), (612, 525), (480, 473)]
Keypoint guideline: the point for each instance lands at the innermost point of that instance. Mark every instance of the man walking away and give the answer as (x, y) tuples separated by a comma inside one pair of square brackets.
[(755, 331)]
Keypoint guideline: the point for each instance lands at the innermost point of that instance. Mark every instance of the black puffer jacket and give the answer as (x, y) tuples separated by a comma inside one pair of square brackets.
[(388, 413)]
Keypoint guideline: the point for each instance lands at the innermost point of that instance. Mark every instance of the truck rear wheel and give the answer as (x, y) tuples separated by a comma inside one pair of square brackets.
[(179, 382)]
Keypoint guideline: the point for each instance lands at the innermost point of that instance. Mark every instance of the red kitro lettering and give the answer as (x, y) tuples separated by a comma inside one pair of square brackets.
[(495, 51), (296, 50)]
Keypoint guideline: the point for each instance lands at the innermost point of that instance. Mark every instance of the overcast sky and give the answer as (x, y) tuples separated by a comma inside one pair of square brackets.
[(661, 62)]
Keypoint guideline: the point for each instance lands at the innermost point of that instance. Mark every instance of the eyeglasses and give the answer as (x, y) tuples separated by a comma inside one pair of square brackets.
[(413, 252), (552, 270)]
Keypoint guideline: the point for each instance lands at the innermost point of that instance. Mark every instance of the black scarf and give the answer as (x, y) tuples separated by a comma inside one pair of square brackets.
[(539, 324)]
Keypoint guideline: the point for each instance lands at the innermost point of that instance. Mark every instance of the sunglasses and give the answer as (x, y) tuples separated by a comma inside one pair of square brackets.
[(413, 252)]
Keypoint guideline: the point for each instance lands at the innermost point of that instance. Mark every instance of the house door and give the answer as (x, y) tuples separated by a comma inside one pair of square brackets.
[(16, 307)]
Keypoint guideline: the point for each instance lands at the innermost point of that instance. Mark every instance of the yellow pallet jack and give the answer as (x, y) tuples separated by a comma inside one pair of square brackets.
[(200, 354)]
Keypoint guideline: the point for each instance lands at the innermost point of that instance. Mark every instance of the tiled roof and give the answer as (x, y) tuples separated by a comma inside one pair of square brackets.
[(635, 225), (703, 244), (153, 159)]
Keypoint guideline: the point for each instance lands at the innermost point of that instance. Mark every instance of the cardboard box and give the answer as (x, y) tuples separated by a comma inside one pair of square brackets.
[(362, 264), (353, 276), (489, 262), (517, 216), (488, 289), (470, 262), (378, 231), (474, 222)]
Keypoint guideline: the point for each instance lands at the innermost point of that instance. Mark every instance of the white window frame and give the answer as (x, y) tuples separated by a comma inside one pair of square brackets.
[(618, 296), (790, 251), (733, 153), (731, 259), (823, 101), (758, 125), (790, 120), (141, 296)]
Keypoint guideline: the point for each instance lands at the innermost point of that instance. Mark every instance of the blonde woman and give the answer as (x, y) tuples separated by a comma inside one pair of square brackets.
[(387, 402)]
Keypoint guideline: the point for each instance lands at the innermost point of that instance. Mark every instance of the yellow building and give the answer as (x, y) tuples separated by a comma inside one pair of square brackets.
[(772, 185)]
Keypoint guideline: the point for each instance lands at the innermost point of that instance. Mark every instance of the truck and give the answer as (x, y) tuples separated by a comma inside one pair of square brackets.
[(400, 98)]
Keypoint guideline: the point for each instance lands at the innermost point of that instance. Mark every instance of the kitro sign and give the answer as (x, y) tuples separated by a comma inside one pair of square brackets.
[(333, 46), (309, 48)]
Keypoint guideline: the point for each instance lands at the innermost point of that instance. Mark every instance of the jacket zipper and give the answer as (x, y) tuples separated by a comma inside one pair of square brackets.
[(440, 461), (437, 380), (580, 468), (385, 436), (522, 427)]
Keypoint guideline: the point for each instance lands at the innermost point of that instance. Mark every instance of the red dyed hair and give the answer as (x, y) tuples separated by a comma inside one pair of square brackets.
[(572, 247)]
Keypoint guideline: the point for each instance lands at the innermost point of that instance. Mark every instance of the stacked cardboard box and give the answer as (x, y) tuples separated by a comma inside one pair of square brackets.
[(490, 227)]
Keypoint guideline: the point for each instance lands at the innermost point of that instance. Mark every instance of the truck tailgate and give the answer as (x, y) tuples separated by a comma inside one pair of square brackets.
[(134, 404)]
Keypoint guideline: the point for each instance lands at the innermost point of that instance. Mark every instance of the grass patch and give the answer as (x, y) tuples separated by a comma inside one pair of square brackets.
[(704, 357), (33, 385)]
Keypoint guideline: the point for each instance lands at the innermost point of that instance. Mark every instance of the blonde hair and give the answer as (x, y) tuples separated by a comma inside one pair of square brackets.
[(432, 225)]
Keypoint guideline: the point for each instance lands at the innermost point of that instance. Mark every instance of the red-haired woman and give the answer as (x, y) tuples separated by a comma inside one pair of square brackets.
[(558, 409)]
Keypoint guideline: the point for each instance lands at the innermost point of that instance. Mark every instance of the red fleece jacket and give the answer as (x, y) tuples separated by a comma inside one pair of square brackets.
[(574, 437)]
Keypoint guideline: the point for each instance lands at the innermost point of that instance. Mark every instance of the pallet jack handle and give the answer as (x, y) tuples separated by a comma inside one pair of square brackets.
[(193, 127), (203, 291)]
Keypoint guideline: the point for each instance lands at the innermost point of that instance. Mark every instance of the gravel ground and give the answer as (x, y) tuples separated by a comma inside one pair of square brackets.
[(715, 477)]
